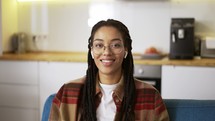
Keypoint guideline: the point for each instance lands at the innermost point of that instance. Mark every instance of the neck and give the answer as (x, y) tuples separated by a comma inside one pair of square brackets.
[(110, 79)]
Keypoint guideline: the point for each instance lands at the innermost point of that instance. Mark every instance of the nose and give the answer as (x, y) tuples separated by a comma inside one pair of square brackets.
[(107, 50)]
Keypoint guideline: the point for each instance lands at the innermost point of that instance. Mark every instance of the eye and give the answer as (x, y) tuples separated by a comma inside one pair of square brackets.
[(98, 45), (116, 45)]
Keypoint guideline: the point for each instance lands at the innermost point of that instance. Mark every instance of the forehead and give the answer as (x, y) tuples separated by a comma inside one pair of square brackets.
[(107, 33)]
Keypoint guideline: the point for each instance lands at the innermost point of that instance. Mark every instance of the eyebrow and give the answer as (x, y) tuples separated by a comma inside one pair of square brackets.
[(115, 39)]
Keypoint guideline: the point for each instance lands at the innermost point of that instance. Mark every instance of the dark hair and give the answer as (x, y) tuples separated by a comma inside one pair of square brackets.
[(88, 106)]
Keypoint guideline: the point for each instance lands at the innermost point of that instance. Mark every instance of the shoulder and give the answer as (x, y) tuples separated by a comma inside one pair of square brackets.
[(143, 89), (148, 98), (70, 89), (140, 84), (146, 93), (75, 83)]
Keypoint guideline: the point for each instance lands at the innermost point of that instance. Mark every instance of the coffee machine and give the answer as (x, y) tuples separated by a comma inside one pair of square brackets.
[(182, 38)]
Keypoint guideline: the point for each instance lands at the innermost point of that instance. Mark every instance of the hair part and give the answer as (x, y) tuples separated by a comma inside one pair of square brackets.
[(87, 103)]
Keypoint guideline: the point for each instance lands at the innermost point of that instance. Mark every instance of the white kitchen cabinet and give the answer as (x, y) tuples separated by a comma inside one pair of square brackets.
[(25, 85), (18, 114), (19, 72), (54, 74), (19, 91), (185, 82)]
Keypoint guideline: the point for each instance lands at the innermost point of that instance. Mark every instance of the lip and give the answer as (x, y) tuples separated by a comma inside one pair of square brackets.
[(107, 62)]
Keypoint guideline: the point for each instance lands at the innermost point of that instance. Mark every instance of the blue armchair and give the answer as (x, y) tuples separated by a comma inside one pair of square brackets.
[(47, 107), (179, 110), (190, 110)]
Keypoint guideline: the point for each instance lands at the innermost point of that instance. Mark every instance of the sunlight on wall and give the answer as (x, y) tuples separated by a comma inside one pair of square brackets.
[(77, 1), (31, 0), (50, 0), (0, 31), (99, 12), (112, 0), (66, 25), (39, 17), (184, 1), (9, 21)]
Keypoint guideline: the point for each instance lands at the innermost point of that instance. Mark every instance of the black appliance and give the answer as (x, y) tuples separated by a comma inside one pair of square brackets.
[(182, 38), (150, 74)]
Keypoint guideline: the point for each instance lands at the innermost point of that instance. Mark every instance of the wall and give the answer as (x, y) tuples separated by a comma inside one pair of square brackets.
[(0, 28), (60, 26), (201, 10), (63, 26), (68, 28), (9, 21)]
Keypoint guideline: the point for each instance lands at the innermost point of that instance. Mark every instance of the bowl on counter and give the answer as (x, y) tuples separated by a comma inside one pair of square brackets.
[(152, 56)]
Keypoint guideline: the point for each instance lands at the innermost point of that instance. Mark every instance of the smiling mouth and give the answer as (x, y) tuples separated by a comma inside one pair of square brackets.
[(107, 61)]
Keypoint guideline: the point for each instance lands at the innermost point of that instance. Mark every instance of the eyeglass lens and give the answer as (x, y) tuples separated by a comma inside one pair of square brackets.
[(115, 47)]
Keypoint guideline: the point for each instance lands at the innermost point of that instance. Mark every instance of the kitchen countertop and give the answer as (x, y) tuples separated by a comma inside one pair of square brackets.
[(47, 56), (82, 57)]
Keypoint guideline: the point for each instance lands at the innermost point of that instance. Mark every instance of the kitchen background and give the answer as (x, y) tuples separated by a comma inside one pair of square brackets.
[(64, 25)]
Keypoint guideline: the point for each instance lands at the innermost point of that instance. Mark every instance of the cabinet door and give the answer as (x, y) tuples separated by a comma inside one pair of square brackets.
[(18, 114), (19, 91), (182, 82), (54, 74), (19, 72), (19, 103)]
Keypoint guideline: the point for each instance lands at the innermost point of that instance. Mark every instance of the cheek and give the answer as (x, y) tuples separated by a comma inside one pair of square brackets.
[(96, 59), (120, 58)]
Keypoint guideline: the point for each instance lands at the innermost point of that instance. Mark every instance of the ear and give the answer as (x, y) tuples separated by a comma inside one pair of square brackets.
[(126, 53), (92, 54)]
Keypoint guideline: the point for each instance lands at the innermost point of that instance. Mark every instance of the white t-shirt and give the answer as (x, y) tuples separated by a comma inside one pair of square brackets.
[(107, 109)]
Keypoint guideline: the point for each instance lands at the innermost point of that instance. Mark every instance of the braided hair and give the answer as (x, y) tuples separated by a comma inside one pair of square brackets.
[(87, 103)]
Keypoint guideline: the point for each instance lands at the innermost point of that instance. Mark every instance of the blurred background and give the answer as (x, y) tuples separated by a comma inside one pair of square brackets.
[(64, 25), (49, 26)]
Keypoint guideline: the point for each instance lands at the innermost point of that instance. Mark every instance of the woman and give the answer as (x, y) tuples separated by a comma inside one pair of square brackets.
[(108, 92)]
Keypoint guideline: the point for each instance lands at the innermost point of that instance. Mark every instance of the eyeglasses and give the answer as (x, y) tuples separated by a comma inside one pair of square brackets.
[(115, 47)]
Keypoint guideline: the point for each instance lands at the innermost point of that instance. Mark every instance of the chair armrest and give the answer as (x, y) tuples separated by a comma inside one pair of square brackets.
[(47, 107)]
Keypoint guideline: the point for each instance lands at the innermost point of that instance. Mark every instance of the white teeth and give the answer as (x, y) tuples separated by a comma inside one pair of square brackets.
[(107, 61)]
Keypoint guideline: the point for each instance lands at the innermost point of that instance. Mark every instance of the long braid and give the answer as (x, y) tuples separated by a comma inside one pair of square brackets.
[(88, 110), (129, 91), (128, 104)]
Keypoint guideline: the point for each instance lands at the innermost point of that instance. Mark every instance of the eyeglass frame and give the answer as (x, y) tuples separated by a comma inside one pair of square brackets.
[(102, 49)]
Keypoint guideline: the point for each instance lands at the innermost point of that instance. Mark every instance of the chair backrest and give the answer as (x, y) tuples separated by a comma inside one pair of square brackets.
[(179, 110), (47, 107), (190, 110)]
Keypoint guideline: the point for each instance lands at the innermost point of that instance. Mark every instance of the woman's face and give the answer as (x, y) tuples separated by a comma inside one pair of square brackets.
[(108, 50)]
